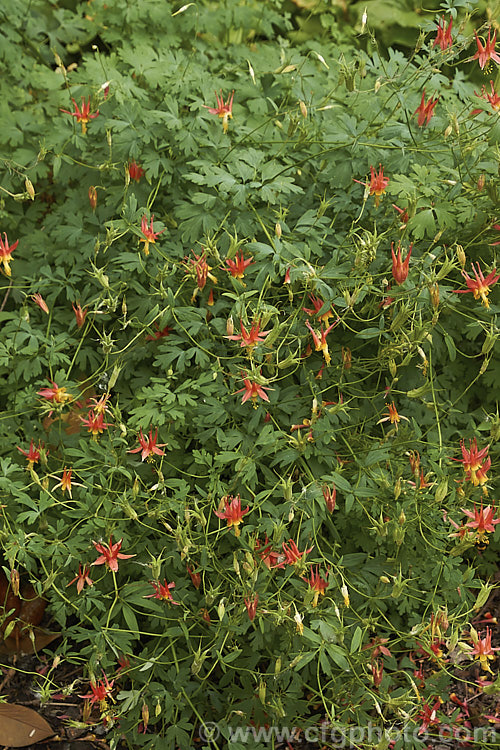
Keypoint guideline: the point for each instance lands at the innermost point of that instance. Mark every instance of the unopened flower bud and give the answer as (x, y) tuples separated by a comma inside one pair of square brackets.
[(92, 197), (441, 491), (29, 188), (448, 131), (384, 579), (345, 594), (434, 295), (277, 230), (397, 488), (262, 692), (461, 255), (481, 181), (303, 109), (145, 715), (378, 84), (14, 581), (392, 368), (402, 518), (158, 709), (230, 326)]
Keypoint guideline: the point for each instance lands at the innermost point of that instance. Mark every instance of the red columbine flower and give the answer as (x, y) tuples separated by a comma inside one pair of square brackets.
[(135, 171), (100, 690), (82, 578), (95, 423), (493, 99), (425, 110), (83, 116), (269, 557), (223, 110), (483, 650), (100, 405), (148, 446), (318, 303), (250, 338), (200, 269), (232, 512), (55, 394), (487, 53), (251, 605), (80, 314), (39, 300), (162, 591), (150, 236), (443, 36), (403, 214), (483, 521), (393, 416), (320, 342), (6, 253), (253, 391), (316, 584), (32, 454), (399, 266), (66, 484), (472, 461), (292, 554), (429, 715), (330, 496), (238, 266), (480, 287), (195, 577), (159, 332), (110, 554)]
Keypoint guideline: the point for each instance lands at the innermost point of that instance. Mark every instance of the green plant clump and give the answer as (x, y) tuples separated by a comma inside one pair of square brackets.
[(250, 362)]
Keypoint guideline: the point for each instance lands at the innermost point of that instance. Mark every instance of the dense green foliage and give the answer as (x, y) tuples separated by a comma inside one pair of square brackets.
[(317, 104)]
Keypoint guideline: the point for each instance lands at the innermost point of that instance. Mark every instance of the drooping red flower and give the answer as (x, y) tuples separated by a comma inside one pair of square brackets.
[(486, 53), (483, 650), (39, 300), (66, 483), (232, 512), (400, 267), (95, 423), (238, 266), (82, 115), (100, 690), (159, 333), (250, 338), (483, 520), (480, 286), (80, 314), (32, 454), (253, 390), (269, 557), (162, 591), (55, 394), (472, 461), (428, 715), (316, 583), (292, 553), (330, 496), (148, 446), (195, 577), (110, 554), (6, 253), (493, 98), (318, 304), (150, 236), (403, 214), (82, 578), (393, 417), (200, 269), (320, 342), (425, 110), (135, 171), (251, 605), (222, 110), (443, 36)]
